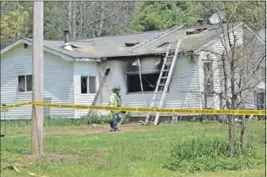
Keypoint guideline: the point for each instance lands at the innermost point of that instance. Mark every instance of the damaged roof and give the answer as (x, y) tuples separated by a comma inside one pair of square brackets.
[(99, 47), (145, 43), (190, 42)]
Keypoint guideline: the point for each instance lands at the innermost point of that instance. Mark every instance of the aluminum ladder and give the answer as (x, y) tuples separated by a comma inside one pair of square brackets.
[(164, 79)]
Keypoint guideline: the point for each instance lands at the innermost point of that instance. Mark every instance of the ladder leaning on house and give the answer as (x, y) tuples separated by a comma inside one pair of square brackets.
[(164, 79)]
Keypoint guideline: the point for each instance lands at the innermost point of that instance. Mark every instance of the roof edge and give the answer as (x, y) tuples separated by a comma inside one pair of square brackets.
[(214, 40), (29, 42)]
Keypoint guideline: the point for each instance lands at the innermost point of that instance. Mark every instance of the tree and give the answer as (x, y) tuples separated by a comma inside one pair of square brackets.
[(238, 66), (83, 19), (14, 21), (162, 15)]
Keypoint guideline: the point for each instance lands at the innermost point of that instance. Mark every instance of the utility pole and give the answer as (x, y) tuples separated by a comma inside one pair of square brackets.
[(37, 72)]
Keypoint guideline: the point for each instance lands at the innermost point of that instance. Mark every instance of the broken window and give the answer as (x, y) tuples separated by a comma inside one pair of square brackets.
[(24, 83), (88, 84), (149, 82), (208, 77)]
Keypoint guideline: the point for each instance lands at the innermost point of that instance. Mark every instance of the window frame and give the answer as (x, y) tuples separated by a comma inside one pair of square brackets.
[(257, 93), (88, 84), (137, 73), (95, 82), (26, 83), (208, 92), (262, 73)]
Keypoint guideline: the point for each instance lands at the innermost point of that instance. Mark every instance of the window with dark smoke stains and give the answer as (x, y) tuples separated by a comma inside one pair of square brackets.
[(149, 82)]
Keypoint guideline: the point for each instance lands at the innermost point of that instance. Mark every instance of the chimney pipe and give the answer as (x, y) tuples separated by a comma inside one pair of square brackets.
[(66, 36)]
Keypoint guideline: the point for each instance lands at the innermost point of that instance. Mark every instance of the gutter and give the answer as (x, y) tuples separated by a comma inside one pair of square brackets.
[(88, 59)]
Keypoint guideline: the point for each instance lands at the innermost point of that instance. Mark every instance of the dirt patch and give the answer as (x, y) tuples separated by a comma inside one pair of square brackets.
[(92, 130), (51, 157)]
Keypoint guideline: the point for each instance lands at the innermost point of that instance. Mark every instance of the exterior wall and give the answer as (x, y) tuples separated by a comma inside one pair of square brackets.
[(214, 51), (84, 69), (184, 87), (58, 82), (218, 47)]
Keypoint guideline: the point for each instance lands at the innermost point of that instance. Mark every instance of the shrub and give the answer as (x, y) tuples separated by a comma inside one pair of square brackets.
[(96, 119), (126, 118), (210, 154)]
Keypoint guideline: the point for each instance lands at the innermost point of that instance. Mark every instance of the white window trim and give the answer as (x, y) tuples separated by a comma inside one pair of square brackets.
[(25, 80), (208, 60), (88, 89)]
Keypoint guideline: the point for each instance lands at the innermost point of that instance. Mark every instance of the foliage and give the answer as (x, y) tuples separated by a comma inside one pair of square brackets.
[(14, 22), (162, 15), (126, 118), (91, 19), (135, 151), (251, 13), (211, 154), (48, 122)]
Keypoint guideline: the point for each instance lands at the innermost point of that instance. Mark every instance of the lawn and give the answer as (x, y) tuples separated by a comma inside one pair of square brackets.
[(136, 151)]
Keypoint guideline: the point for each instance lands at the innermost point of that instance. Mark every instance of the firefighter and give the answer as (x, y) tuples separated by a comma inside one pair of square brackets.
[(115, 101)]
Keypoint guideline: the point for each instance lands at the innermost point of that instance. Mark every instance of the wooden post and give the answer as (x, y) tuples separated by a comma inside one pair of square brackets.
[(99, 90), (37, 78)]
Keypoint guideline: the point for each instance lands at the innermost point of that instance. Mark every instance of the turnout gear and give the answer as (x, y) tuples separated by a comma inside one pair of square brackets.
[(115, 101), (116, 87)]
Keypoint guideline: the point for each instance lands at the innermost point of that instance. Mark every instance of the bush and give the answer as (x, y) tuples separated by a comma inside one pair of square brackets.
[(126, 118), (211, 154), (96, 119)]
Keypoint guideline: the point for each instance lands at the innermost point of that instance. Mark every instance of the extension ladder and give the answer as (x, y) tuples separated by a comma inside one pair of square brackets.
[(164, 79)]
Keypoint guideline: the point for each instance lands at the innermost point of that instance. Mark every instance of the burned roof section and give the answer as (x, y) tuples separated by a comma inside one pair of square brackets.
[(136, 44)]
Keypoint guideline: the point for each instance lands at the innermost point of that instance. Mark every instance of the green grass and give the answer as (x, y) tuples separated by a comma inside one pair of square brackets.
[(138, 151)]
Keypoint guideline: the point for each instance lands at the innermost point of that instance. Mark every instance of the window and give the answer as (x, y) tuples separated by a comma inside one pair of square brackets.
[(25, 46), (24, 83), (149, 82), (260, 99), (92, 84), (262, 73), (88, 84), (84, 84), (208, 77)]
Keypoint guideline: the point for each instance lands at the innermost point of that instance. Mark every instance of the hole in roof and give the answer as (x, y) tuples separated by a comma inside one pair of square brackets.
[(163, 44), (74, 46), (130, 44), (195, 31)]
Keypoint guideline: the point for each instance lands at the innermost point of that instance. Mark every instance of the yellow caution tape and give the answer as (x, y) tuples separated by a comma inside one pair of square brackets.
[(3, 108), (144, 109)]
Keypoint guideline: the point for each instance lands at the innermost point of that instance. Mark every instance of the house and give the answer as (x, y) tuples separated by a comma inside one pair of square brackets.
[(74, 69)]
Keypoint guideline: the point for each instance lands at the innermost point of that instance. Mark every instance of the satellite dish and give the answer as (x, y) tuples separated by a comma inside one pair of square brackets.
[(262, 33), (217, 17)]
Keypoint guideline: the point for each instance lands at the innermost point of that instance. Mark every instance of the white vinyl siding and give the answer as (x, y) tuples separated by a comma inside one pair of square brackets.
[(58, 82), (87, 70)]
